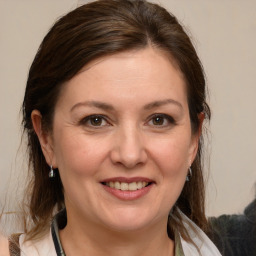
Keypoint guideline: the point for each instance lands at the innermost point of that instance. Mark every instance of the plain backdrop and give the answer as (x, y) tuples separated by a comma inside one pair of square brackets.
[(224, 34)]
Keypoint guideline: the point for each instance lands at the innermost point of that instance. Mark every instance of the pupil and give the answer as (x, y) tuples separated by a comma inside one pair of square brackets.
[(158, 120), (96, 121)]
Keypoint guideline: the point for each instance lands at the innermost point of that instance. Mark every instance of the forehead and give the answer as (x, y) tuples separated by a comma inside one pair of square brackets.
[(152, 60), (145, 74)]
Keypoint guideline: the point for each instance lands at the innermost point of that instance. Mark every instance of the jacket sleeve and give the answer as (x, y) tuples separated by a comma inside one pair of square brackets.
[(235, 235)]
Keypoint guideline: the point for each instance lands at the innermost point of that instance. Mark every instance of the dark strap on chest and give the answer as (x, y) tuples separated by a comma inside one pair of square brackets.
[(14, 247), (59, 222)]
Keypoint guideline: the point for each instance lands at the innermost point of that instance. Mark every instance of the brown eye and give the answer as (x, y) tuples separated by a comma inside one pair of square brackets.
[(161, 120), (96, 121), (158, 120)]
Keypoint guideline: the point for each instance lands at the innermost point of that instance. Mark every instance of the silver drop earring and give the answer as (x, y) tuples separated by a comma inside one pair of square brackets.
[(189, 174), (51, 173)]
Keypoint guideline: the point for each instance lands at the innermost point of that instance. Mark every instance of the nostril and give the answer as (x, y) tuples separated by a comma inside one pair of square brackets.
[(129, 153)]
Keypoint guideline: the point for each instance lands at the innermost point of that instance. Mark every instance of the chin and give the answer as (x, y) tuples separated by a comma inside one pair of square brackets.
[(128, 226), (129, 222)]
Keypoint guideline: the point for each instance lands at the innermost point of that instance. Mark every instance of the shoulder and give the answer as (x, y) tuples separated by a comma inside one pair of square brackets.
[(40, 246), (235, 233), (201, 244), (235, 224), (4, 245), (250, 212)]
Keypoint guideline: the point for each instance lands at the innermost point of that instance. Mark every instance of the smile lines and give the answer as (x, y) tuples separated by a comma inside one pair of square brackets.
[(125, 186)]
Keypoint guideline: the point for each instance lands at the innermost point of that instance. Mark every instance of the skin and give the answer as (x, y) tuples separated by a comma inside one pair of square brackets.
[(143, 130), (4, 246)]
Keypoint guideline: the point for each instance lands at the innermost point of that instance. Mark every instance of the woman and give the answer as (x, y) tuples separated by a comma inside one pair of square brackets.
[(113, 112)]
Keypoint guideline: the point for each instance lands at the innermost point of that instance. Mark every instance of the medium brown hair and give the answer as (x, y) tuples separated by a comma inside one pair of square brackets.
[(91, 31)]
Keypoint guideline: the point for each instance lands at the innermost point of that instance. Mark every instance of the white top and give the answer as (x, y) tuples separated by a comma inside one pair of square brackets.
[(202, 241), (45, 246), (42, 247)]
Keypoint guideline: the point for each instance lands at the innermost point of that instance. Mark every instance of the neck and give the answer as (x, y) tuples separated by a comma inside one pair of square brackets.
[(91, 239)]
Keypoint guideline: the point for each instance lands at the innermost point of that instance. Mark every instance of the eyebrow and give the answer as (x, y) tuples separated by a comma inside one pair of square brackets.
[(97, 104), (160, 103), (106, 106)]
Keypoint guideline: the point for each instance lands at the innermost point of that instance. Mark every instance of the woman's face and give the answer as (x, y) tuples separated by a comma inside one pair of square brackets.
[(122, 140)]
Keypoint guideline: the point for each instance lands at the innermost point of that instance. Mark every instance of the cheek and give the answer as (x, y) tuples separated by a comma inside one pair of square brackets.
[(76, 154), (171, 155)]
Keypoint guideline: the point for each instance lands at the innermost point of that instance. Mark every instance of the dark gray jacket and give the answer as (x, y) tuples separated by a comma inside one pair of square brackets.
[(235, 235)]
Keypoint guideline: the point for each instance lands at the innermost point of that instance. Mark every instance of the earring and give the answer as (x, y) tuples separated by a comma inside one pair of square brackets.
[(51, 173), (189, 174)]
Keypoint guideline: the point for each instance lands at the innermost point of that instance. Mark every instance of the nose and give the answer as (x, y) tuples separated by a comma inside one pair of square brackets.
[(128, 148)]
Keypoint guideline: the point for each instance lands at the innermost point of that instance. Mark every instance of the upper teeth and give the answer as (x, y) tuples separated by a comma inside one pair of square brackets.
[(127, 186)]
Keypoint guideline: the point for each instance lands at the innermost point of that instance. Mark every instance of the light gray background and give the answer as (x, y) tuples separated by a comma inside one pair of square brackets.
[(224, 33)]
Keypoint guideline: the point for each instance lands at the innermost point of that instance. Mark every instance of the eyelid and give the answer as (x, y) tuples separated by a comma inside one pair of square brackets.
[(169, 118), (84, 120)]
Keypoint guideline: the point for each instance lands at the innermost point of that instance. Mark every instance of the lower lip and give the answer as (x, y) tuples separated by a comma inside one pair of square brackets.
[(128, 194)]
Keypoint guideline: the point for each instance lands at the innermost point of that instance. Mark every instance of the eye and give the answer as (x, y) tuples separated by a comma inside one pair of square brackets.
[(161, 120), (94, 121)]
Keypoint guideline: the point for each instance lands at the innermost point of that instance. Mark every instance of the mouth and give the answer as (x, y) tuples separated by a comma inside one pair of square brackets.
[(128, 188), (125, 186)]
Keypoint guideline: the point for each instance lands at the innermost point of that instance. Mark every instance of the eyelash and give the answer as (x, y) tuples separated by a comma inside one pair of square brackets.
[(164, 117), (102, 118), (90, 118)]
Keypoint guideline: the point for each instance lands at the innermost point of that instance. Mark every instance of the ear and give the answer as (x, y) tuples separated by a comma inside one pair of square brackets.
[(195, 139), (45, 138)]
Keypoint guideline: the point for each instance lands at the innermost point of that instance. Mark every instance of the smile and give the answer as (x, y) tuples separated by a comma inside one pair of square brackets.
[(128, 188), (125, 186)]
